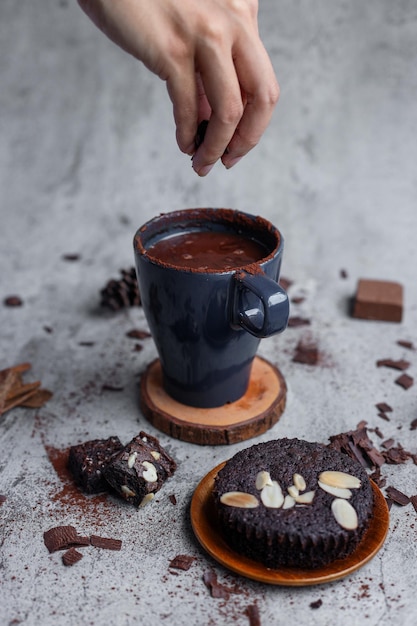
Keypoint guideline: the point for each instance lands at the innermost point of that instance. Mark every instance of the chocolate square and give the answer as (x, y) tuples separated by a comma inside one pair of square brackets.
[(87, 460), (378, 300)]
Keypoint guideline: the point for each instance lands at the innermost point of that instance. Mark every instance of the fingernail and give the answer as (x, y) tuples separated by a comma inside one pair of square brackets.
[(232, 162), (203, 171)]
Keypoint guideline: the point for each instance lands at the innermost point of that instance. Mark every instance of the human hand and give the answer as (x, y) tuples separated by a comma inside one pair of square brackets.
[(214, 64)]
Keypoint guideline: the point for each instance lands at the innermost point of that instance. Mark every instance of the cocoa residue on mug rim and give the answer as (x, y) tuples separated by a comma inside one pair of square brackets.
[(220, 215)]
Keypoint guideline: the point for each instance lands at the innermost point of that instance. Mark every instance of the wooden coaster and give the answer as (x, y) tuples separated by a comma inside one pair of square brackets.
[(253, 414)]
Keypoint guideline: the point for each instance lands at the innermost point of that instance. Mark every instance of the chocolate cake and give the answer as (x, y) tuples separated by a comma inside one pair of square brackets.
[(139, 470), (293, 503), (87, 460)]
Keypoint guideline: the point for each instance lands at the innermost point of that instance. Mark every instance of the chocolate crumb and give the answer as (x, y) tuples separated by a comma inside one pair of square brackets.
[(413, 425), (217, 590), (297, 299), (343, 273), (383, 407), (182, 561), (138, 347), (71, 556), (252, 612), (401, 364), (307, 354), (86, 344), (397, 496), (413, 500), (2, 498), (107, 543), (406, 344), (13, 301), (388, 443), (316, 604), (71, 257), (135, 333), (295, 322), (108, 387), (383, 416), (405, 381), (48, 329), (173, 499)]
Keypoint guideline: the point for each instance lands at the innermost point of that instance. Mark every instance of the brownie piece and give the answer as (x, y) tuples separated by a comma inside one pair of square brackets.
[(139, 470), (285, 511), (378, 300), (87, 460)]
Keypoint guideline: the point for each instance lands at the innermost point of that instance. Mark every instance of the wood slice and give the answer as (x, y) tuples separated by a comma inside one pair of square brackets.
[(254, 413)]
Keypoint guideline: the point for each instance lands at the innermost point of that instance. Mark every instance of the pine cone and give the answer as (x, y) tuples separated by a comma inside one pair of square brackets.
[(118, 294)]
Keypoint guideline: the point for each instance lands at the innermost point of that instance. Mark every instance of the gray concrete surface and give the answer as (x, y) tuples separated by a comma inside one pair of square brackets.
[(87, 154)]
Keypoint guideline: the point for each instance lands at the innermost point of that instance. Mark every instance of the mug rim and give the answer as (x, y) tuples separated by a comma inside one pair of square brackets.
[(220, 215)]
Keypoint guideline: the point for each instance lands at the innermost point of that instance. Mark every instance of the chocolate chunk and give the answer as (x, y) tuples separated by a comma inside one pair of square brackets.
[(252, 612), (182, 561), (13, 301), (135, 333), (307, 354), (378, 300), (107, 543), (295, 322), (2, 498), (413, 500), (87, 460), (383, 407), (62, 537), (358, 446), (405, 344), (71, 556), (397, 496), (140, 469), (396, 455), (316, 604), (405, 381), (217, 590), (413, 425), (397, 365)]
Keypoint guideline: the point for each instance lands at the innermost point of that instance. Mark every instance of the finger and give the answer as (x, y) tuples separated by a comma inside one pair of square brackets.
[(183, 91), (258, 81), (221, 86)]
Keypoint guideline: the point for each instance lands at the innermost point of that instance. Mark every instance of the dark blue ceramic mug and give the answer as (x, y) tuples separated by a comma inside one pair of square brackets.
[(206, 322)]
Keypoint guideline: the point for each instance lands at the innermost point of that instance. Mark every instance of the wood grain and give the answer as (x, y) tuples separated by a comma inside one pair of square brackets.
[(257, 411)]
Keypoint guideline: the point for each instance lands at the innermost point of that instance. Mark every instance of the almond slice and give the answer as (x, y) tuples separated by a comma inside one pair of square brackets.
[(305, 498), (289, 502), (299, 482), (338, 492), (239, 499), (339, 479), (344, 514), (272, 496), (262, 478), (293, 491)]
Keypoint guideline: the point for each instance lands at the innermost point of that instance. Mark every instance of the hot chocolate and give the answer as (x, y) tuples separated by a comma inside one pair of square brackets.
[(214, 250)]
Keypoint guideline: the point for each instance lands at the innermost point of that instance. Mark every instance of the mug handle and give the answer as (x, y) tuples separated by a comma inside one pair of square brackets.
[(263, 315)]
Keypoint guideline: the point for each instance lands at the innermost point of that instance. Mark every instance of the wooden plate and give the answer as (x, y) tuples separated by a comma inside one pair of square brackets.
[(209, 535)]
